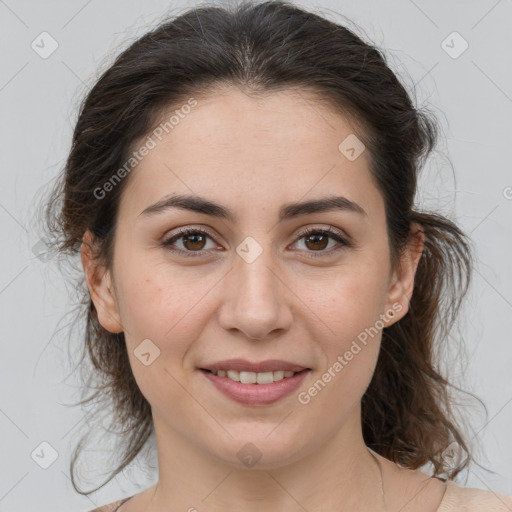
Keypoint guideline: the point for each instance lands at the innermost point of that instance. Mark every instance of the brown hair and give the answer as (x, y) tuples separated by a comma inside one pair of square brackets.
[(264, 47)]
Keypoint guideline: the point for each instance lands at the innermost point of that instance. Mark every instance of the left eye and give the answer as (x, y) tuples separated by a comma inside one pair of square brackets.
[(193, 241), (319, 238)]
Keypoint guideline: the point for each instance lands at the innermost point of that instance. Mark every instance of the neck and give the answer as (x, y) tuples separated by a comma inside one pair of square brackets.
[(336, 474)]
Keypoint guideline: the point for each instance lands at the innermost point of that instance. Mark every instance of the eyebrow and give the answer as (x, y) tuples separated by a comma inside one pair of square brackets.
[(288, 211)]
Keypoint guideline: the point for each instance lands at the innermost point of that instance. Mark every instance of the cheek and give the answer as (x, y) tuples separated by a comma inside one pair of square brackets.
[(354, 313), (163, 321), (353, 309), (166, 306), (349, 300), (155, 295)]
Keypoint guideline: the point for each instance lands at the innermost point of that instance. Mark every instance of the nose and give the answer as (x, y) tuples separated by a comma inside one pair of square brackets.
[(256, 299)]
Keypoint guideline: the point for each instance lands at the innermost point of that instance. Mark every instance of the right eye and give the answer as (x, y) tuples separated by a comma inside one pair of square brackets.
[(192, 240)]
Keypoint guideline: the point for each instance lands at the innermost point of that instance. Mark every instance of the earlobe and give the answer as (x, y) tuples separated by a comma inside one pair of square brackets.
[(100, 285), (402, 285)]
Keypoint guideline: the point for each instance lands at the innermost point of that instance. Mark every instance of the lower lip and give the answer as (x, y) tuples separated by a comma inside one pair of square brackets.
[(256, 394)]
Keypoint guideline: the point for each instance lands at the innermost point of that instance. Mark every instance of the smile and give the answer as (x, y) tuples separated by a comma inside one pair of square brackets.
[(251, 388), (254, 377)]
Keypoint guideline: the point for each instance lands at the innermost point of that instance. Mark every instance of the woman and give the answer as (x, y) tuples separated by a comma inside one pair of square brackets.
[(263, 296)]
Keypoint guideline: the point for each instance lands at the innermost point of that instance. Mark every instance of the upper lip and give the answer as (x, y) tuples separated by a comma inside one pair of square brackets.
[(242, 365)]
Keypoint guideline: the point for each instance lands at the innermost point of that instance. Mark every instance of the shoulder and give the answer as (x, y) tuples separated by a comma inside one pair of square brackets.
[(474, 500), (111, 507)]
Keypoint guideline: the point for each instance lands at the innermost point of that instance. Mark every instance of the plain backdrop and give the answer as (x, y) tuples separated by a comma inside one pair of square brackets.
[(468, 178)]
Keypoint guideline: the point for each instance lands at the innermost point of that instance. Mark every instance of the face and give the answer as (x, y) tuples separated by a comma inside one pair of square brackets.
[(253, 286)]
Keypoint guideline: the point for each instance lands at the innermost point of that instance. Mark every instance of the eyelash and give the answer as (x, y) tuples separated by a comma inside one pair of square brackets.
[(322, 231)]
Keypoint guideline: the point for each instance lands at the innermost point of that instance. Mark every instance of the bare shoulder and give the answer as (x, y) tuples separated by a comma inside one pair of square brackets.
[(416, 491), (475, 499)]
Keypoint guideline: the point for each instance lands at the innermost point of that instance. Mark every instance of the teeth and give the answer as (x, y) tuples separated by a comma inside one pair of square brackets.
[(233, 375), (249, 377), (279, 375), (262, 378), (253, 377)]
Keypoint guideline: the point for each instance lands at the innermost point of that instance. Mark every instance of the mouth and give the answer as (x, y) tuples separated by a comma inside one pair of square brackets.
[(246, 377), (255, 388)]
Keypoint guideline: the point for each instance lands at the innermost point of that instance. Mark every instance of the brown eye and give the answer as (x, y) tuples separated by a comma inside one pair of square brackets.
[(317, 241), (193, 242)]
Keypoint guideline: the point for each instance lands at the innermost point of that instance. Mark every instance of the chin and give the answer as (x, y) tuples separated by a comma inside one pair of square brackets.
[(259, 451)]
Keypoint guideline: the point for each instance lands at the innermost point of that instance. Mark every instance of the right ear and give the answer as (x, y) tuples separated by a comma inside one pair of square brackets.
[(99, 283)]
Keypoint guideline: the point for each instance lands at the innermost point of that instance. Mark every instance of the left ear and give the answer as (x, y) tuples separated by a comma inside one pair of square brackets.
[(402, 283)]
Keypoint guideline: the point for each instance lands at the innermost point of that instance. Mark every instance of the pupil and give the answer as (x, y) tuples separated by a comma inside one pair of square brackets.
[(191, 237), (316, 237)]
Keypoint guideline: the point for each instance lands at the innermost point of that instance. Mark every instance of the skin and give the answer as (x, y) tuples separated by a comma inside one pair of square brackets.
[(253, 156)]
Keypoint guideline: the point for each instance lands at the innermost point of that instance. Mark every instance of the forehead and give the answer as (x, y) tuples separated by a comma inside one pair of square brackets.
[(233, 145), (233, 119)]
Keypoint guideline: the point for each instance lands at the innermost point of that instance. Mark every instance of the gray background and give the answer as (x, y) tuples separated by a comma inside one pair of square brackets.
[(469, 179)]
